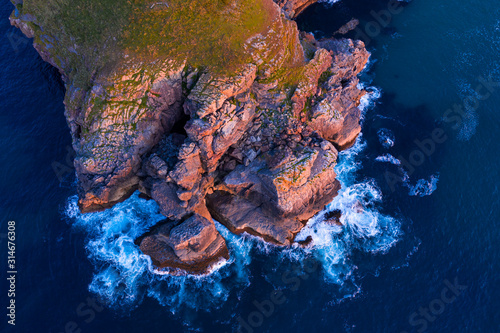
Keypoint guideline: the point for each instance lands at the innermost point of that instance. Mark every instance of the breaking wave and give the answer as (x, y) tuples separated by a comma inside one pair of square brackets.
[(388, 158), (423, 187), (124, 276), (362, 226), (330, 2)]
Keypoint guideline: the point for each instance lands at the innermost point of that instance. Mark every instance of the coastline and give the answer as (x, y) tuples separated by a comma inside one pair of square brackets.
[(257, 148)]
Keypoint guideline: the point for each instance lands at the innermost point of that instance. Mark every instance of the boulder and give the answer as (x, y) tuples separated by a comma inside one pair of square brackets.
[(273, 196), (192, 245), (241, 215)]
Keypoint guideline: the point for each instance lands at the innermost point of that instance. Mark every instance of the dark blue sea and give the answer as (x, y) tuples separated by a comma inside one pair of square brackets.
[(420, 246)]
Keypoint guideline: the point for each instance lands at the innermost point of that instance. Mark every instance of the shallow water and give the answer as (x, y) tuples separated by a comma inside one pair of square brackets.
[(419, 226)]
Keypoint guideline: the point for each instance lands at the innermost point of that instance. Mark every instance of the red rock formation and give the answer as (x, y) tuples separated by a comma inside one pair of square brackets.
[(277, 193), (258, 151), (194, 245), (336, 115)]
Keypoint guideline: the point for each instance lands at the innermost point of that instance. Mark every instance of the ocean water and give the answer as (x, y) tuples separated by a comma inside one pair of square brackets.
[(418, 251)]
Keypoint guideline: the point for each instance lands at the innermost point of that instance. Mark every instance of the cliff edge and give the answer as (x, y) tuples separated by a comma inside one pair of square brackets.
[(214, 109)]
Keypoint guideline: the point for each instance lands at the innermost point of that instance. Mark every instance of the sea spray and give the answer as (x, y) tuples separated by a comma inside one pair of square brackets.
[(124, 275), (362, 227)]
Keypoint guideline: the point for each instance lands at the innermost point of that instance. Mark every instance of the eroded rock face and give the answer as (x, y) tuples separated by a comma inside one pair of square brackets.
[(277, 193), (193, 245), (255, 147), (119, 120), (336, 116)]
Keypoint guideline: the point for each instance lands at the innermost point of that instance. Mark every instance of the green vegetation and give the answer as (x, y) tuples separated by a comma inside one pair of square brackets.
[(325, 76), (92, 35), (210, 33), (86, 32), (287, 76)]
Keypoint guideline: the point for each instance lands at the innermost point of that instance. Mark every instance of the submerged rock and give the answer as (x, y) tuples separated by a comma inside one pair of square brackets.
[(349, 26)]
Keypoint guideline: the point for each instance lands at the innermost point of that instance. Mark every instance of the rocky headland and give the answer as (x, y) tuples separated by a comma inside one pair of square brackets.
[(246, 132)]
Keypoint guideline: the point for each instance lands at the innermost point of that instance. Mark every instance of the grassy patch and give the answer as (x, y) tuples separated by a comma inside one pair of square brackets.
[(209, 33), (85, 33), (92, 35)]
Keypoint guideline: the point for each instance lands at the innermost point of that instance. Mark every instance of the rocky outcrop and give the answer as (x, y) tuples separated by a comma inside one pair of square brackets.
[(254, 148), (116, 123), (277, 193), (194, 245), (292, 8), (336, 116)]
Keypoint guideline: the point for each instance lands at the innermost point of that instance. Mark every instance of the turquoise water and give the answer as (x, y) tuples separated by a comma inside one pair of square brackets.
[(430, 217)]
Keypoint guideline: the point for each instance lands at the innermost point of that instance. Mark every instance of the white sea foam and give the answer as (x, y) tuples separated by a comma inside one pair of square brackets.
[(363, 227), (423, 187), (124, 275), (331, 2), (388, 158), (369, 99)]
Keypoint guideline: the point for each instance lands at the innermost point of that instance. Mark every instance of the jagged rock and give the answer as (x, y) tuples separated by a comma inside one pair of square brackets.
[(155, 167), (115, 129), (184, 195), (251, 154), (188, 171), (272, 196), (278, 45), (211, 92), (221, 129), (192, 237), (240, 215), (194, 245), (237, 154), (309, 84), (333, 217), (229, 166), (336, 117), (165, 194), (249, 146)]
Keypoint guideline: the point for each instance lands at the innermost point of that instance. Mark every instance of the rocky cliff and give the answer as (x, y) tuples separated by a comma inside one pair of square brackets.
[(292, 8), (253, 147)]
